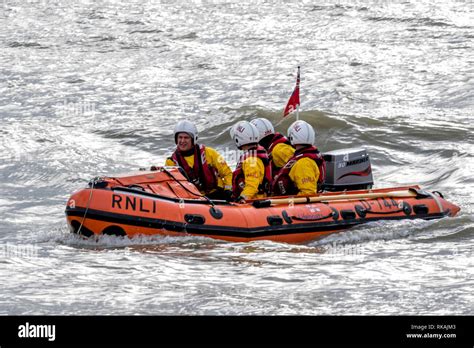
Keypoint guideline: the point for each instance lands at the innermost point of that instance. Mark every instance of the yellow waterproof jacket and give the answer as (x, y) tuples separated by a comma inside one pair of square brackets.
[(281, 154), (254, 173), (214, 160), (305, 175)]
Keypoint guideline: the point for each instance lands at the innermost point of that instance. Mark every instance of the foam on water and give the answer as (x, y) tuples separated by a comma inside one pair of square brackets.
[(92, 89)]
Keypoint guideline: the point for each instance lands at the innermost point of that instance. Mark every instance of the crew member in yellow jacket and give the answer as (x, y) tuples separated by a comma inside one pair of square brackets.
[(302, 174), (253, 174), (203, 165), (277, 145)]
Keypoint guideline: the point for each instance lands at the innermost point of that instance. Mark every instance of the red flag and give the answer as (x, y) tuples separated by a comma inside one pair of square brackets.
[(294, 100)]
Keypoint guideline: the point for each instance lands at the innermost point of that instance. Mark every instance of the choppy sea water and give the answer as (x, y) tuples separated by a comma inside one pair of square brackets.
[(90, 89)]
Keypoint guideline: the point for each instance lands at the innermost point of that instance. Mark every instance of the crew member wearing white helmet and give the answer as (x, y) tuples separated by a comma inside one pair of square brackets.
[(203, 165), (277, 145), (253, 174), (306, 169)]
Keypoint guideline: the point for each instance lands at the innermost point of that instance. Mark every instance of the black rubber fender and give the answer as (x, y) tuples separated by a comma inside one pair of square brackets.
[(216, 213), (286, 217), (406, 208), (361, 211)]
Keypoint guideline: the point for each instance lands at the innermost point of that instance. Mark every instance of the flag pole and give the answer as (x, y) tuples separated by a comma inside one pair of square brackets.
[(298, 86)]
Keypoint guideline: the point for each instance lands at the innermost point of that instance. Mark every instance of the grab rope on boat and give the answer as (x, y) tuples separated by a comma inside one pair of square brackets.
[(91, 184), (185, 188)]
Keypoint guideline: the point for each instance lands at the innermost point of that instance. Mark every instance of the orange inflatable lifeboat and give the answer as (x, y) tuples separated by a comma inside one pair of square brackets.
[(164, 202)]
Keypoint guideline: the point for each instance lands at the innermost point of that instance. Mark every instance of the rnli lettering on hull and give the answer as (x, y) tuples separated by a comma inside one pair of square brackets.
[(133, 204)]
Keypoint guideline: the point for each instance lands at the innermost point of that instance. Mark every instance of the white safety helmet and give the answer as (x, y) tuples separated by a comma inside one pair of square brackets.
[(185, 127), (301, 132), (244, 133), (264, 127)]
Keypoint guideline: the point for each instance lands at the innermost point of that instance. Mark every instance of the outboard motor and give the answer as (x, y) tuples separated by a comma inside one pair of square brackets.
[(347, 169)]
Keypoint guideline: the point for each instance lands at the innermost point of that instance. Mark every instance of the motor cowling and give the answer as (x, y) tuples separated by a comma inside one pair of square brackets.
[(347, 169)]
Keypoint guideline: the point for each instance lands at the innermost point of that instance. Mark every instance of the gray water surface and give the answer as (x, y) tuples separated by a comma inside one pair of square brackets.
[(91, 89)]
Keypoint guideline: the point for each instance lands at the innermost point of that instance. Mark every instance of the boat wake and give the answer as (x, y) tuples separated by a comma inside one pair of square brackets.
[(116, 242), (379, 230), (419, 230)]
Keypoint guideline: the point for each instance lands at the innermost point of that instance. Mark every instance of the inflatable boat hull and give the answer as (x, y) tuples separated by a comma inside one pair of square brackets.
[(142, 205)]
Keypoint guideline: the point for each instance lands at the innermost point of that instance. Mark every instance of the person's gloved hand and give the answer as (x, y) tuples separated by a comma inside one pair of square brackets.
[(153, 168), (240, 200), (228, 195)]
